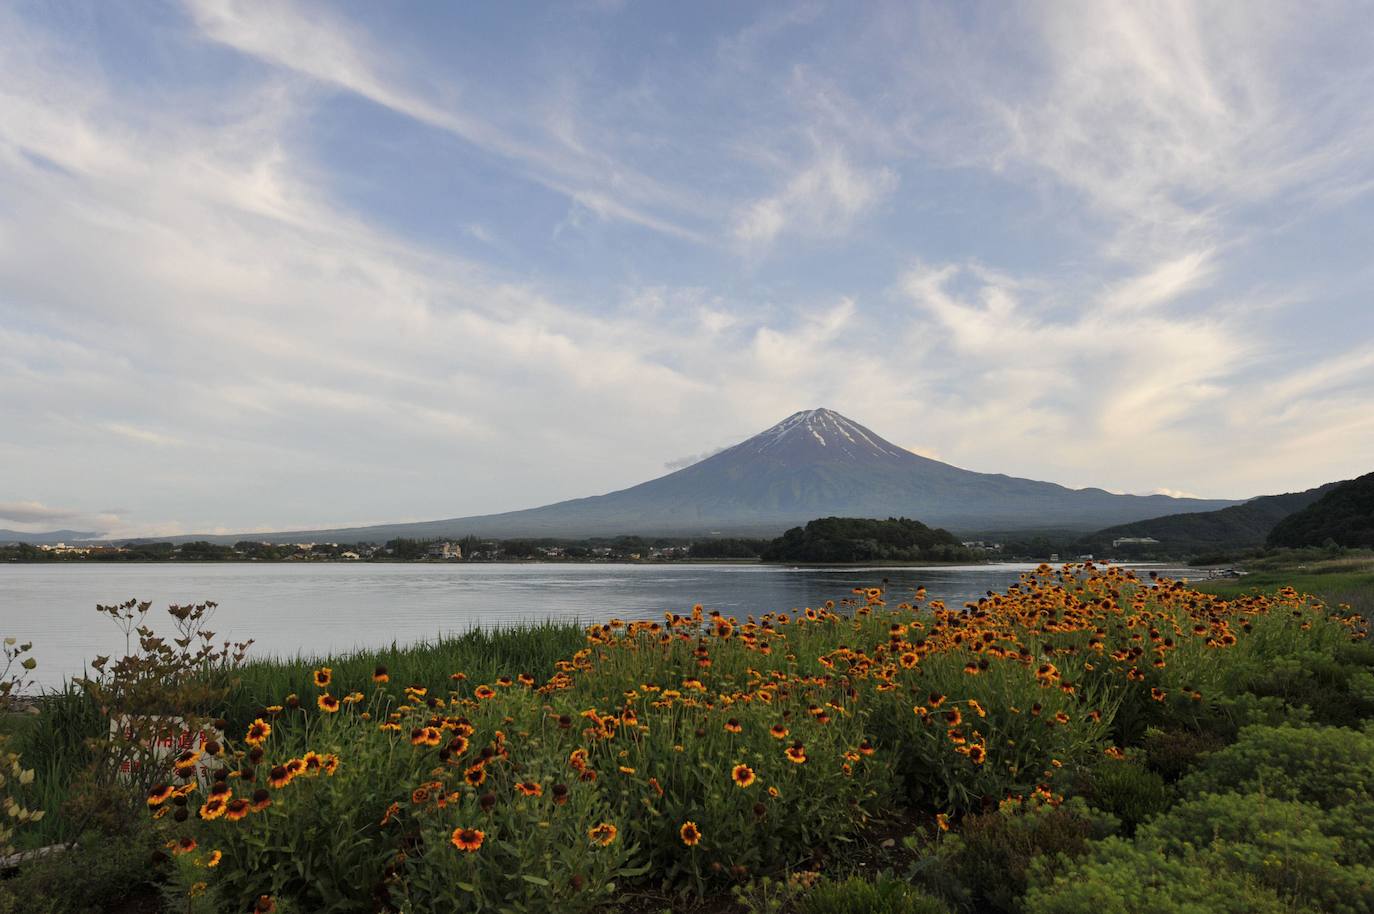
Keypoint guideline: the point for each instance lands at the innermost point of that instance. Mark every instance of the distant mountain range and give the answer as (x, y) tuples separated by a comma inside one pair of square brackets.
[(814, 463), (52, 536), (1244, 526)]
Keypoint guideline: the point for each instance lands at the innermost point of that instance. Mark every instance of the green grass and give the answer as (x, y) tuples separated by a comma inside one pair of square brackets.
[(53, 742), (1335, 583), (482, 654)]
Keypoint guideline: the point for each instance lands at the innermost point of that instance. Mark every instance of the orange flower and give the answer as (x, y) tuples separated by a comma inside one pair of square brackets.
[(778, 731), (237, 809), (742, 775), (690, 834), (484, 692), (159, 795), (468, 840), (733, 726), (530, 788), (603, 834), (328, 703), (323, 677), (796, 754)]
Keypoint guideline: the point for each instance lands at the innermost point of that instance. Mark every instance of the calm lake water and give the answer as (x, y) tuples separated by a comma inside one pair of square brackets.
[(295, 609)]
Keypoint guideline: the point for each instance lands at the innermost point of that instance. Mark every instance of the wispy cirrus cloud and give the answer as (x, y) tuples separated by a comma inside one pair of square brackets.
[(301, 261), (319, 46), (822, 199)]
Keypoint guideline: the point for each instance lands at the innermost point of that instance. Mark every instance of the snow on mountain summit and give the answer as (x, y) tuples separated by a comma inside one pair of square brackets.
[(813, 429)]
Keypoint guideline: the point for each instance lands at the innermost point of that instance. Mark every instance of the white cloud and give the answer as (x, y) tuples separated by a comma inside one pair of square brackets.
[(188, 290), (820, 200), (29, 512), (324, 48)]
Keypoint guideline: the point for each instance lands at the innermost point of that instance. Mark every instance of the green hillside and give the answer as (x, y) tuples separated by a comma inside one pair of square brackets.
[(1244, 526), (1344, 515)]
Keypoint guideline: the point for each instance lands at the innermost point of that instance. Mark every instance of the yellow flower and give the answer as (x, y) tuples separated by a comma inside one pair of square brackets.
[(603, 834), (258, 731), (690, 834)]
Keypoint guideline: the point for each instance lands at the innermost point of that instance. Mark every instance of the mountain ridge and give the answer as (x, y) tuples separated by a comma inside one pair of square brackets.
[(1243, 526), (815, 463)]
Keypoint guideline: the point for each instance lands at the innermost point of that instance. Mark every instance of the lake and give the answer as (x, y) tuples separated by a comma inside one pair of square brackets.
[(315, 609)]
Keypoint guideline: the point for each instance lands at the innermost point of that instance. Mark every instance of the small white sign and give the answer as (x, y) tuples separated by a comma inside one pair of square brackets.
[(162, 738)]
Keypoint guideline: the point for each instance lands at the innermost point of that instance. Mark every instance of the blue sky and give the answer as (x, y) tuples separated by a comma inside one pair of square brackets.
[(277, 265)]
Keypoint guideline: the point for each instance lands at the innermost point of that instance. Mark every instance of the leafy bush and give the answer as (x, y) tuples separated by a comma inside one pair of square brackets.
[(884, 895), (1125, 789), (1279, 844), (987, 863), (1124, 878), (1328, 766), (92, 876), (1172, 753)]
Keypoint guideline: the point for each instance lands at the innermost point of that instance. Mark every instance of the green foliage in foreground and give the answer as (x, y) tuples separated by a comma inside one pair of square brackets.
[(1280, 820), (859, 896), (1241, 779)]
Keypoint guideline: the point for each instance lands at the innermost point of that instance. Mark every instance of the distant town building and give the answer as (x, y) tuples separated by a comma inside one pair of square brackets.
[(1134, 541), (445, 551)]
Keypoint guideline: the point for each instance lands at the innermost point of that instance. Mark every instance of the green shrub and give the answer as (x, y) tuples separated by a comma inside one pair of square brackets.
[(1124, 878), (1280, 844), (1173, 753), (884, 895), (94, 876), (1331, 683), (1328, 766), (986, 864), (1125, 789), (1353, 823)]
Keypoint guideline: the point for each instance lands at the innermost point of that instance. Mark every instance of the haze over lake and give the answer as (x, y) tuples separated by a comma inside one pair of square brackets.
[(324, 608)]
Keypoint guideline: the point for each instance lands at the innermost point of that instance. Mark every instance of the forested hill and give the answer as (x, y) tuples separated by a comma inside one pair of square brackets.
[(1344, 515), (854, 539), (1244, 526)]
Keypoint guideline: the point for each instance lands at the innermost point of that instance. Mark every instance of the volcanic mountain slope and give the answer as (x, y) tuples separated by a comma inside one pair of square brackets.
[(813, 464)]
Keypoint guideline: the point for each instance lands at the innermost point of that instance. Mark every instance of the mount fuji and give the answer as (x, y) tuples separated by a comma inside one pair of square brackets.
[(814, 463)]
